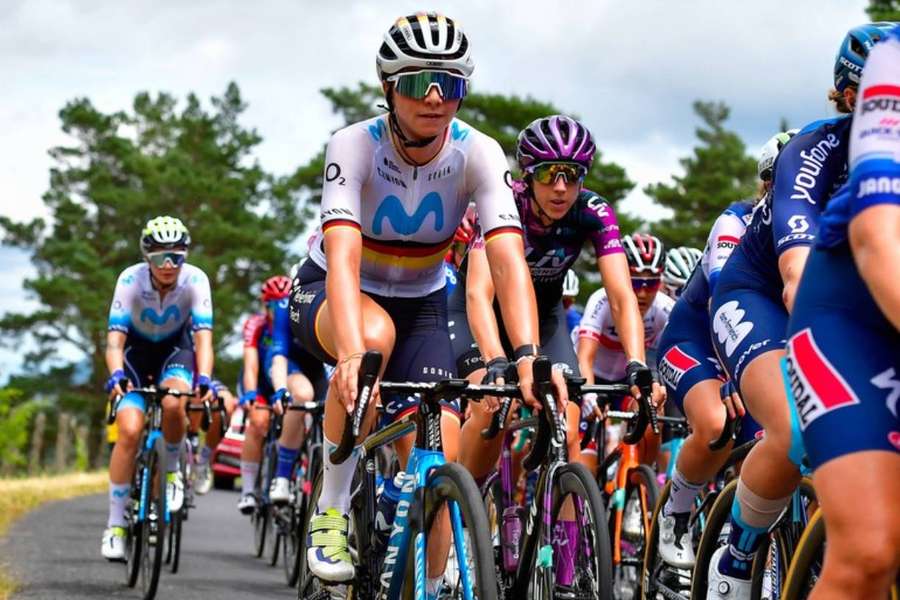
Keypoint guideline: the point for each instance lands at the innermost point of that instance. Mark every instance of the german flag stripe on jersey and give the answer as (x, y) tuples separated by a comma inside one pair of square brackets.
[(338, 223), (408, 255), (500, 231)]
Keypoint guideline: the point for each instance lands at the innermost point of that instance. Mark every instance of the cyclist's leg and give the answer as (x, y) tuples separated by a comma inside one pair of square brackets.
[(748, 330), (293, 429), (214, 435), (177, 373)]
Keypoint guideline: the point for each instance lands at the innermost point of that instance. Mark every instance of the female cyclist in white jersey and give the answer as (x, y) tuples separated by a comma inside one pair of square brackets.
[(396, 188)]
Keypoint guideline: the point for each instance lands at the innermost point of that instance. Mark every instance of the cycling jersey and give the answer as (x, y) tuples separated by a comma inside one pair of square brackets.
[(138, 310), (551, 250), (845, 400), (407, 214), (597, 324), (808, 170)]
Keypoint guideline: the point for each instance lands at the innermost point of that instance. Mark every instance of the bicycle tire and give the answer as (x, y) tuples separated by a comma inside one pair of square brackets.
[(709, 541), (575, 480), (262, 517), (134, 529), (293, 542), (640, 478), (175, 528), (452, 482), (492, 498), (154, 534), (308, 585)]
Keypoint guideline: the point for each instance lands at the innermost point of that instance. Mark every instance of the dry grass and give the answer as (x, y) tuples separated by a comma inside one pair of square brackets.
[(18, 496)]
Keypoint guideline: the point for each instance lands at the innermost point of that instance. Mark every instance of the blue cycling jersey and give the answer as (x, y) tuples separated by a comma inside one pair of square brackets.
[(808, 170), (283, 341)]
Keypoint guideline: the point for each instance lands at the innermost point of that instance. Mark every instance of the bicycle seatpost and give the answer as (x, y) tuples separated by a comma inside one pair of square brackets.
[(368, 373)]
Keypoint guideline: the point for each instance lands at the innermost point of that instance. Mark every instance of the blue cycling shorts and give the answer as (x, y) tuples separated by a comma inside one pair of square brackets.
[(842, 369), (422, 351), (154, 362), (748, 316)]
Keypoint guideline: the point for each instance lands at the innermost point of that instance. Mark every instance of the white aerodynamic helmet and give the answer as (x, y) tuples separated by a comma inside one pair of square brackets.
[(770, 151), (680, 262), (570, 284), (424, 42)]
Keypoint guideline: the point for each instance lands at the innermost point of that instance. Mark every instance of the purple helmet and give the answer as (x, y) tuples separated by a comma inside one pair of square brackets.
[(555, 138)]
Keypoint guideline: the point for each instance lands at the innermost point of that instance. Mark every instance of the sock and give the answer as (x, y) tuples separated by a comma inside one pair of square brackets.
[(118, 499), (336, 480), (565, 544), (681, 495), (433, 586), (249, 471), (751, 517), (286, 459), (172, 452)]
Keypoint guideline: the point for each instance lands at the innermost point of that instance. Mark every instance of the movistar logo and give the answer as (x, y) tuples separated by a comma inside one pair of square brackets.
[(377, 130), (458, 133), (404, 224), (148, 314)]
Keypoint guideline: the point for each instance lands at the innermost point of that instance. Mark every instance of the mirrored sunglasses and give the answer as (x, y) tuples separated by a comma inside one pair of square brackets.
[(649, 283), (417, 85), (548, 172), (174, 258)]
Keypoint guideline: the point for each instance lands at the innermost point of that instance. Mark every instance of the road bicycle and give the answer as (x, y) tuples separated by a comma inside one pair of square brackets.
[(429, 487)]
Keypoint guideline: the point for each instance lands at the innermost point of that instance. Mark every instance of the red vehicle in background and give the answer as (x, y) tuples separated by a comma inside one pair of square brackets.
[(226, 457)]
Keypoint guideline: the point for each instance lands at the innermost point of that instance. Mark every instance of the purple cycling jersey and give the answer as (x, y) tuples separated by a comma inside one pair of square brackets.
[(551, 250)]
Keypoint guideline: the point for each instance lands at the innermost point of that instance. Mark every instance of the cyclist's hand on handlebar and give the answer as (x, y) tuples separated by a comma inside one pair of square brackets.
[(732, 400), (561, 389), (203, 388), (635, 370), (346, 380), (494, 375), (658, 397), (526, 381), (281, 399), (248, 397), (113, 385)]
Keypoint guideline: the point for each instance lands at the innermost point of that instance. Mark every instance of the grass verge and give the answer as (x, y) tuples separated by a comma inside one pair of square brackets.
[(18, 496)]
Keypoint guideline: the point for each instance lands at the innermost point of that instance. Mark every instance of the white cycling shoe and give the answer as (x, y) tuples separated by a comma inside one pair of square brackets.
[(327, 553), (174, 491), (280, 491), (676, 550), (113, 545), (723, 587), (203, 477), (247, 504)]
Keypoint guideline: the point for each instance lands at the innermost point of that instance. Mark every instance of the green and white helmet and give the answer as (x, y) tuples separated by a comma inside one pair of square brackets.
[(769, 153), (164, 233), (680, 262)]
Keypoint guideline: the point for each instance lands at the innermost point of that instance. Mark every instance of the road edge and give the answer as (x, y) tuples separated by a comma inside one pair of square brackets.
[(18, 497)]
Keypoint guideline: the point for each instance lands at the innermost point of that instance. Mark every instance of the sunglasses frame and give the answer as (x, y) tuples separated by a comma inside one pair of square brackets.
[(395, 79), (167, 259), (575, 166), (656, 283)]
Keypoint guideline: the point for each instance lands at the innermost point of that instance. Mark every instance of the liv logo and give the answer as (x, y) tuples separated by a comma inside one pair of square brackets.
[(404, 224), (148, 314)]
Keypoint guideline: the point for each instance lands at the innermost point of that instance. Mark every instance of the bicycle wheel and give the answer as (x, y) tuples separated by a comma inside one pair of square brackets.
[(293, 542), (591, 575), (175, 527), (492, 498), (308, 585), (134, 530), (262, 515), (641, 498), (154, 525), (450, 486), (711, 539)]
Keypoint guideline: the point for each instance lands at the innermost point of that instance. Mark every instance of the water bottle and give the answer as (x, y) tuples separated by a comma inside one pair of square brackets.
[(385, 511), (512, 533)]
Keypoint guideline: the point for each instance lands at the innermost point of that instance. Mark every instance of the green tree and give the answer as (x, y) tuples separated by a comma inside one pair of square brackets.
[(717, 173), (502, 118), (884, 10), (123, 168)]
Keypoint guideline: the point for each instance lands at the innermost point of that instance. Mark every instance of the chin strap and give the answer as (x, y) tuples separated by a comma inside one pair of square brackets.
[(407, 143), (160, 287)]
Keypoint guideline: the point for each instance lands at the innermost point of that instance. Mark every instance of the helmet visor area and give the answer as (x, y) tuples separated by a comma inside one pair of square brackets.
[(418, 84)]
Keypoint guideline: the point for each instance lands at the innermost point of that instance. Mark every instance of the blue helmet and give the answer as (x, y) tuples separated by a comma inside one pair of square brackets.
[(851, 56)]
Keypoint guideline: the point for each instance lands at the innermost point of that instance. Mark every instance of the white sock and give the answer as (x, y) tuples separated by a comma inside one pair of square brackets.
[(172, 452), (249, 471), (336, 480), (433, 585), (119, 494), (682, 494)]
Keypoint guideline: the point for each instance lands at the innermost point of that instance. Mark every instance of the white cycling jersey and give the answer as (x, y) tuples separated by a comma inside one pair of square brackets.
[(407, 214), (597, 324), (137, 308)]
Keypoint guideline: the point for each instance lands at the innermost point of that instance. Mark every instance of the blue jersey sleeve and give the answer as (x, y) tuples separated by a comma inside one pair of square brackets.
[(281, 328), (807, 172)]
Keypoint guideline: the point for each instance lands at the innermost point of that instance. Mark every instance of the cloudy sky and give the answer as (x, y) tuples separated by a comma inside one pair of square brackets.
[(630, 69)]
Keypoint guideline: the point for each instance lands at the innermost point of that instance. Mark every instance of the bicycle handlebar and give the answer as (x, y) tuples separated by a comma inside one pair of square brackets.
[(368, 372)]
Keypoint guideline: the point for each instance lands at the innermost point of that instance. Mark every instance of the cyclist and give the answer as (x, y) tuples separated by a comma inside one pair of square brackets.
[(160, 332), (692, 374), (846, 400), (750, 307), (287, 366), (602, 354), (558, 215), (396, 188), (569, 294), (680, 263)]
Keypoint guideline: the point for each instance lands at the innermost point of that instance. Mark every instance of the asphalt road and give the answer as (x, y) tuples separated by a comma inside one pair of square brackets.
[(55, 553)]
